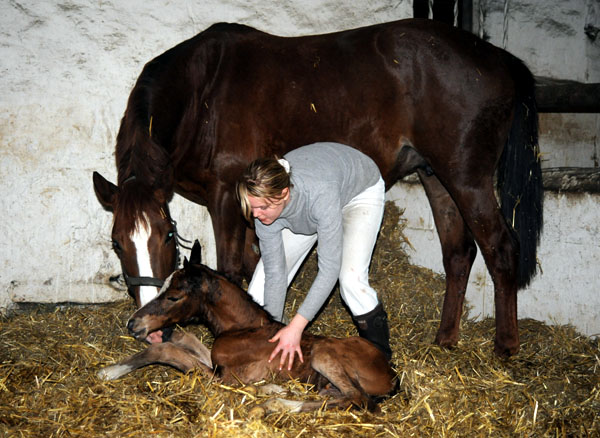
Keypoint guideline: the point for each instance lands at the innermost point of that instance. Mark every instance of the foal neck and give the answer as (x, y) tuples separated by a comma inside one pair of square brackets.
[(235, 310)]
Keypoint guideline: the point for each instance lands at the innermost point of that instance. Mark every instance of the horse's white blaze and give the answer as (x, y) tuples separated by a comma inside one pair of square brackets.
[(141, 238)]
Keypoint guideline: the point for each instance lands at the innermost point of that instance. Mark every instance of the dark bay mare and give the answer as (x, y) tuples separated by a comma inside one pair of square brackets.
[(415, 95), (358, 371)]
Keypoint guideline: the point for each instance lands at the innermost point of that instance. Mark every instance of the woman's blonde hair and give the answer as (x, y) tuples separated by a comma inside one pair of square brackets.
[(264, 178)]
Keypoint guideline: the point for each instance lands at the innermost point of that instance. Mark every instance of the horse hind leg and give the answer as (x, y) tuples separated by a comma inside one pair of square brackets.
[(500, 251), (458, 253), (337, 363)]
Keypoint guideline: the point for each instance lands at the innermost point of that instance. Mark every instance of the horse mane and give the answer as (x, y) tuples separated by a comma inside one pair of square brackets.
[(160, 111), (138, 152)]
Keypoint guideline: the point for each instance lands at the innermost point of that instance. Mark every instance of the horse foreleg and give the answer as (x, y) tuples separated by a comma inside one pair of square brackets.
[(166, 353), (458, 252), (230, 232), (192, 344)]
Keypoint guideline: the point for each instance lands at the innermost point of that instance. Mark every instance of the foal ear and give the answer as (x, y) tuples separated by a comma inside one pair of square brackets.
[(106, 192), (196, 255)]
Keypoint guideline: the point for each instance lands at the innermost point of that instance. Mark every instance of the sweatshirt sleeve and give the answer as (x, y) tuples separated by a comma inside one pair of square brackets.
[(273, 256), (327, 212)]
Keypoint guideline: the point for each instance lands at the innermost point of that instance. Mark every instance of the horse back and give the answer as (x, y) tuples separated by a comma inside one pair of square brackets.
[(231, 94), (267, 94)]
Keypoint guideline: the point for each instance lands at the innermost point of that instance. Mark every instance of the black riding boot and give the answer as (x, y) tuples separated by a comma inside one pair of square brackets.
[(373, 326)]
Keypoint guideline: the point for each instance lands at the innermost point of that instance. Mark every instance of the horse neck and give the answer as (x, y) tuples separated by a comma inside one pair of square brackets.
[(234, 310), (139, 154)]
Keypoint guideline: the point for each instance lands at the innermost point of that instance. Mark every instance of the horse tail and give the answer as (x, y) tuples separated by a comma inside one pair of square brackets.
[(520, 175)]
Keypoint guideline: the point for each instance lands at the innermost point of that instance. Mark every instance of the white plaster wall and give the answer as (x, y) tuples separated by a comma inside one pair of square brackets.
[(549, 36), (66, 71)]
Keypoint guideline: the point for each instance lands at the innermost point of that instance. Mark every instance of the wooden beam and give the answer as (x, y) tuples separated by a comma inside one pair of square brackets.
[(572, 179), (562, 96)]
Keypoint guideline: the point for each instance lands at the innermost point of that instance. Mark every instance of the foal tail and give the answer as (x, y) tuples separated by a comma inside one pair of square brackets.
[(520, 175)]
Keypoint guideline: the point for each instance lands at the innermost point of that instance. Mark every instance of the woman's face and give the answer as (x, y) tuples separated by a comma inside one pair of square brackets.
[(268, 210)]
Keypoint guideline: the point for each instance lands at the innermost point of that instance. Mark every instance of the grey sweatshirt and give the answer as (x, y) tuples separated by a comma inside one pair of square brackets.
[(324, 177)]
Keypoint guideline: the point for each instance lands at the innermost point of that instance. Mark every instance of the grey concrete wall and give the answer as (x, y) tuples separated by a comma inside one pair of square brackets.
[(566, 289)]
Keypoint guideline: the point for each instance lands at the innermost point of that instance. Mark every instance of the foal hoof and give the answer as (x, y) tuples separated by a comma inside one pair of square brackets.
[(257, 412), (113, 372)]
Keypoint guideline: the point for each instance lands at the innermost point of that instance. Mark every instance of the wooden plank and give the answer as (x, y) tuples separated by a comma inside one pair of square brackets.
[(572, 179), (562, 96)]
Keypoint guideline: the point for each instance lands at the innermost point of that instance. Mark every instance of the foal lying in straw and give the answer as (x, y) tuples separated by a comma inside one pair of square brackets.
[(350, 370)]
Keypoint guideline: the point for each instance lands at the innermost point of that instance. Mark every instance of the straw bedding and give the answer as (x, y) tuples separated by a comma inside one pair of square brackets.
[(49, 356)]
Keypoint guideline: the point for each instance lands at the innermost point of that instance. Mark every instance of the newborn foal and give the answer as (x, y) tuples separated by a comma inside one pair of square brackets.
[(356, 370)]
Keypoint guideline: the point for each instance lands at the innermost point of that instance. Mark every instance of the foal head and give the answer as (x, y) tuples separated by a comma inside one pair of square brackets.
[(189, 293), (196, 292), (143, 235)]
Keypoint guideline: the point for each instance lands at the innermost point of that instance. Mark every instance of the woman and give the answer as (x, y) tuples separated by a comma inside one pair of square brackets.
[(326, 193)]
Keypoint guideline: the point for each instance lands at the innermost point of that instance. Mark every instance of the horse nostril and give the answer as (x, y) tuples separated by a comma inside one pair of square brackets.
[(130, 324)]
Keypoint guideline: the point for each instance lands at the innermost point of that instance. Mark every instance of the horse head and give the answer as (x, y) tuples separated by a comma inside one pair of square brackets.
[(144, 236)]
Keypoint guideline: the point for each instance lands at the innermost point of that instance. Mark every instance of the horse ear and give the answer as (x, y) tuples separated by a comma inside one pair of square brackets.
[(196, 255), (106, 192), (185, 263)]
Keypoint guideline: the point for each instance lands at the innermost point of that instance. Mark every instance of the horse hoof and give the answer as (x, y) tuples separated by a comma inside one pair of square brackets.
[(445, 341), (505, 351)]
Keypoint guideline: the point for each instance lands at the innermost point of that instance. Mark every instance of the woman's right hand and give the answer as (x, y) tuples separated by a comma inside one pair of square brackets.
[(289, 339)]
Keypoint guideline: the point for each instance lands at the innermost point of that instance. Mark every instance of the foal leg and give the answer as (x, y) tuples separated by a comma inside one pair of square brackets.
[(189, 354), (458, 252)]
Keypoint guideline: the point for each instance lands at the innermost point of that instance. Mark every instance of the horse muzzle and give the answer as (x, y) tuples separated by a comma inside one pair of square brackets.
[(137, 329)]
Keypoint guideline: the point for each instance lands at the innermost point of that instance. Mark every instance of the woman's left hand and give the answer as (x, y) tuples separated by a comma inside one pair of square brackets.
[(289, 341)]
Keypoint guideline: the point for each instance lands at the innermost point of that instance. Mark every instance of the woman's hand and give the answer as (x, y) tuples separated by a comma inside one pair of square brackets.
[(289, 341)]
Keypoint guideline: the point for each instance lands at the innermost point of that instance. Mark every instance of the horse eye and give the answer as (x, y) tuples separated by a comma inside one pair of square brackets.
[(170, 236), (116, 246), (173, 299)]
